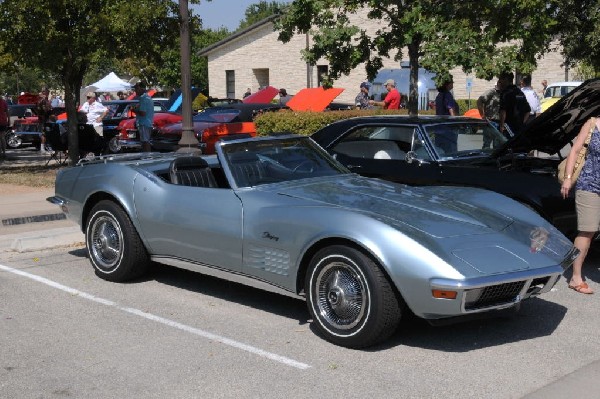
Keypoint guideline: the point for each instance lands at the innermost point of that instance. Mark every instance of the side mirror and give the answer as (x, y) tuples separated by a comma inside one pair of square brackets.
[(411, 157)]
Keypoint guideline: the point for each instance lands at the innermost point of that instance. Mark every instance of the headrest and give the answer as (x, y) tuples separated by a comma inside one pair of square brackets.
[(189, 162)]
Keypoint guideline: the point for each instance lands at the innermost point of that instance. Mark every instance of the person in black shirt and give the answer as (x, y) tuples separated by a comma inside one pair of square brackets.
[(514, 108)]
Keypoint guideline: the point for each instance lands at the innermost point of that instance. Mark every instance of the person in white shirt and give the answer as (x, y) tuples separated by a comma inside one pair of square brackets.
[(95, 112), (532, 98)]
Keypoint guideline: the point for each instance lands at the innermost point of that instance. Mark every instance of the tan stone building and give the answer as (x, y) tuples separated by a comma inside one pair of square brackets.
[(254, 58)]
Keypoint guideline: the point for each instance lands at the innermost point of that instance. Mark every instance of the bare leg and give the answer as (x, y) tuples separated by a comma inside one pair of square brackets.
[(582, 242)]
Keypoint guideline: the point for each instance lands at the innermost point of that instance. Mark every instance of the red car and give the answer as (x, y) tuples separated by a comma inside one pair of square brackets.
[(26, 128), (212, 125), (128, 138)]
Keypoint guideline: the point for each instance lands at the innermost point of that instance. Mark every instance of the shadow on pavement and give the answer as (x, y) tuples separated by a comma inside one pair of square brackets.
[(537, 318)]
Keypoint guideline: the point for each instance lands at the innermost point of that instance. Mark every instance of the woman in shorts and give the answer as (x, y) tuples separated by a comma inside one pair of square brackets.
[(587, 198)]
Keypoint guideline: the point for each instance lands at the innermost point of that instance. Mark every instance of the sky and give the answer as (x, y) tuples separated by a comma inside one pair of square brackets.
[(227, 13)]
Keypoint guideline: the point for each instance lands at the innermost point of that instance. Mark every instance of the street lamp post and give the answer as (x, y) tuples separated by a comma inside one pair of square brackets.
[(188, 142)]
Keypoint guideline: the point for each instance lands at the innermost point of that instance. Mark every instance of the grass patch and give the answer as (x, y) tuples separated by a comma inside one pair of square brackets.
[(29, 175)]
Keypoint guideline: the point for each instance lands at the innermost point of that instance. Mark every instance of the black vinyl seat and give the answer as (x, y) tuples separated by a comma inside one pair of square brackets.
[(247, 169), (191, 171), (89, 140)]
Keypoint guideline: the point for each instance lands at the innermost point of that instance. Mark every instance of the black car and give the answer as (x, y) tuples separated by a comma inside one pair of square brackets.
[(437, 150), (119, 110)]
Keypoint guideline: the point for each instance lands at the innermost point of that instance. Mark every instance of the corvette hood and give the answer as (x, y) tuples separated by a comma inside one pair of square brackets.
[(425, 209), (558, 125)]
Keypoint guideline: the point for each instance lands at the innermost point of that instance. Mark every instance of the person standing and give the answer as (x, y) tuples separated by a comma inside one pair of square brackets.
[(392, 99), (248, 92), (43, 109), (531, 97), (446, 139), (444, 102), (4, 125), (488, 105), (544, 85), (587, 198), (362, 99), (55, 101), (284, 97), (144, 115), (514, 108), (95, 112)]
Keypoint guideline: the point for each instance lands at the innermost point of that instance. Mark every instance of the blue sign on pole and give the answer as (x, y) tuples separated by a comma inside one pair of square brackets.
[(469, 84)]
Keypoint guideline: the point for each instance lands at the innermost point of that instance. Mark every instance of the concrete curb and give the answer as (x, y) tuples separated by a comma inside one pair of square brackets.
[(40, 240)]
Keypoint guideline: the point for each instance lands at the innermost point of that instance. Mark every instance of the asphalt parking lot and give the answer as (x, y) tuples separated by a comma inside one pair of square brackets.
[(66, 333)]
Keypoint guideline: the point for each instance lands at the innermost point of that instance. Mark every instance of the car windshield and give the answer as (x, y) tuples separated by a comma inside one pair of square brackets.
[(264, 161), (464, 139), (559, 91), (117, 110), (218, 115)]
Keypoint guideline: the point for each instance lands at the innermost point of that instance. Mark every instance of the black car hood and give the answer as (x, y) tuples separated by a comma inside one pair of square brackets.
[(559, 124)]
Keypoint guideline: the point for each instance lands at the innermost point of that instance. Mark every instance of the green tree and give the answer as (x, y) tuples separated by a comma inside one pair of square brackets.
[(481, 36), (66, 37), (579, 33), (259, 11)]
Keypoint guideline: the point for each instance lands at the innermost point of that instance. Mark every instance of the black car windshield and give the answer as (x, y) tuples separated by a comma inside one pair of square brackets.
[(218, 115), (264, 161), (464, 139)]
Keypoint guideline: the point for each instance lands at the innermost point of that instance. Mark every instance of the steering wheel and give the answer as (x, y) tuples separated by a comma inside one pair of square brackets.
[(305, 162)]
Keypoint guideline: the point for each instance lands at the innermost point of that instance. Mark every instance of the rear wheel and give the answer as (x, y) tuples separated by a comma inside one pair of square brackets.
[(350, 299), (113, 145), (114, 246)]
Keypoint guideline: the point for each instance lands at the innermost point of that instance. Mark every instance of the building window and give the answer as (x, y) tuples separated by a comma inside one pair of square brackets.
[(230, 83), (261, 76), (322, 71)]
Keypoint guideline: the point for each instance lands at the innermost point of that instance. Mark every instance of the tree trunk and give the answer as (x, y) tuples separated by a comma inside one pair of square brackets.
[(413, 89)]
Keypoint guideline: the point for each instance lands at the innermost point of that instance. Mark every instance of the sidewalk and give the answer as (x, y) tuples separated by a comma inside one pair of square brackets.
[(27, 221)]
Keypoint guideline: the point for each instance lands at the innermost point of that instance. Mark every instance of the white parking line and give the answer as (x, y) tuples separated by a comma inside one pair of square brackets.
[(158, 319)]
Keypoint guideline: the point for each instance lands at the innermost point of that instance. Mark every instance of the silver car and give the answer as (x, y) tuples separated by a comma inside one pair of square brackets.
[(363, 252)]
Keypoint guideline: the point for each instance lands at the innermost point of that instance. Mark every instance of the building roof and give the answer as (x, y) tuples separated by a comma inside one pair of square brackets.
[(206, 50)]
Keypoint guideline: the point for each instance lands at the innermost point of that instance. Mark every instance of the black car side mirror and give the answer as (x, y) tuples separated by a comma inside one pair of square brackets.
[(411, 157)]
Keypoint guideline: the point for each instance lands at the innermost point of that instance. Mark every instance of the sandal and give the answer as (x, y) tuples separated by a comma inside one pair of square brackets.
[(582, 288)]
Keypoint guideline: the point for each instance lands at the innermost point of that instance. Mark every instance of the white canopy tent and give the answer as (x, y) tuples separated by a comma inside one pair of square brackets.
[(109, 83)]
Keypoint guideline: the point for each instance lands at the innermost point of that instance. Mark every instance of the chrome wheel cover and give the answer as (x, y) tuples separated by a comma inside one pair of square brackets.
[(113, 145), (341, 295), (13, 141), (106, 242)]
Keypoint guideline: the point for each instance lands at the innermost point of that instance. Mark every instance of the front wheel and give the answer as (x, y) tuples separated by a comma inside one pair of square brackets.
[(114, 246), (350, 299), (13, 140)]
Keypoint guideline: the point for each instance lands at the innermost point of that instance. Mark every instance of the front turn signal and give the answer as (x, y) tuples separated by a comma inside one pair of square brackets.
[(443, 294)]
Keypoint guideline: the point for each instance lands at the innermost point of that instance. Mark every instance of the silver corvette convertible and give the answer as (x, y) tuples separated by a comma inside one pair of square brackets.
[(363, 252)]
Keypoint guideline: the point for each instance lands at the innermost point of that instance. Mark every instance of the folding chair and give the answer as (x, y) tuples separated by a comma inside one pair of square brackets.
[(57, 142)]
